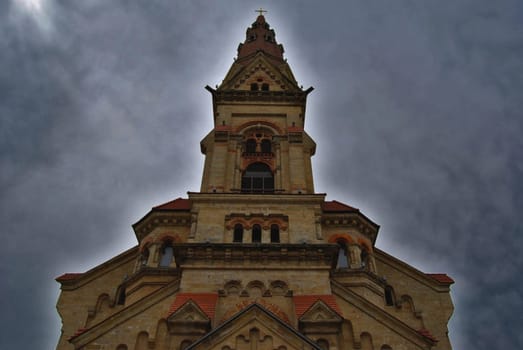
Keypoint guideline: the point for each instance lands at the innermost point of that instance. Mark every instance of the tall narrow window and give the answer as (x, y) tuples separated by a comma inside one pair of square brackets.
[(364, 258), (275, 234), (144, 256), (265, 87), (266, 146), (343, 262), (258, 178), (238, 233), (250, 146), (121, 295), (254, 87), (256, 233), (389, 296), (167, 254)]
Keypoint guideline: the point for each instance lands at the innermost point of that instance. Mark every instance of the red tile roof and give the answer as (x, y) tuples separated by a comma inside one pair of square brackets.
[(222, 128), (68, 277), (427, 334), (177, 204), (294, 129), (302, 303), (205, 301), (337, 207), (441, 277)]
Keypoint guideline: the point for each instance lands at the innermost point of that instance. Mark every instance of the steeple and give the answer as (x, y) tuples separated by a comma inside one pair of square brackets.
[(258, 144), (260, 37)]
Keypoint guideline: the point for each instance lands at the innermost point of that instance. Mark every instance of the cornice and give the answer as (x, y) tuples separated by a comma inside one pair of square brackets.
[(161, 217), (96, 272), (296, 199), (354, 220), (234, 255), (410, 271)]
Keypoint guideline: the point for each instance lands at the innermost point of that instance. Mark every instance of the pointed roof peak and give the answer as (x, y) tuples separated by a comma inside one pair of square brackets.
[(260, 37)]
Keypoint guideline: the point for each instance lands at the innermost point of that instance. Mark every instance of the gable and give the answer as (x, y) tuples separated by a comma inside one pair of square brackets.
[(253, 327), (320, 312), (260, 71)]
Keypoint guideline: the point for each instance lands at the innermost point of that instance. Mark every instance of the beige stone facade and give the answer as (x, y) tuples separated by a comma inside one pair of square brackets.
[(256, 259)]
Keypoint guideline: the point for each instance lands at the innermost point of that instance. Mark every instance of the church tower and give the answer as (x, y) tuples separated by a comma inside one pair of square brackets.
[(257, 259)]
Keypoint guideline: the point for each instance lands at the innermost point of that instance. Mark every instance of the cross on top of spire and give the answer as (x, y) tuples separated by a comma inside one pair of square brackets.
[(260, 11)]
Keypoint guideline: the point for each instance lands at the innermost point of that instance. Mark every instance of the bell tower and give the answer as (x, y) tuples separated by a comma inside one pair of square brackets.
[(258, 144), (256, 259)]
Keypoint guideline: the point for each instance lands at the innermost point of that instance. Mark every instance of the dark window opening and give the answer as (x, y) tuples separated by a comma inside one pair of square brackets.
[(275, 234), (254, 87), (238, 233), (389, 296), (121, 296), (343, 262), (167, 252), (258, 178), (265, 87), (144, 256), (266, 146), (364, 258), (250, 146), (256, 233)]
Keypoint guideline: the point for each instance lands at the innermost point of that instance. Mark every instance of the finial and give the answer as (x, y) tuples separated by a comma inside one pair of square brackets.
[(260, 11)]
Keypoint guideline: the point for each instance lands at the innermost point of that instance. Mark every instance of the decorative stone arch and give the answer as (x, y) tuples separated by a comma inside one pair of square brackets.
[(254, 285), (366, 244), (275, 309), (168, 236), (145, 243), (278, 287), (282, 224), (341, 237), (233, 287), (258, 124), (239, 220)]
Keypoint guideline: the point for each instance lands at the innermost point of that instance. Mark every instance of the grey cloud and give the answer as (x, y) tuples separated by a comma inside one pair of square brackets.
[(416, 114)]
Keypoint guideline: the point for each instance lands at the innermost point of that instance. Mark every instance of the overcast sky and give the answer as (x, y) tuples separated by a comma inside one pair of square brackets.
[(417, 113)]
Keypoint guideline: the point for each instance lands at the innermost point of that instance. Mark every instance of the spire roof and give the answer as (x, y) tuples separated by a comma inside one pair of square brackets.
[(260, 37)]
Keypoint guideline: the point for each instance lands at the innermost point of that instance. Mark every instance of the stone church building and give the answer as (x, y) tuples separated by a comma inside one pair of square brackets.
[(257, 259)]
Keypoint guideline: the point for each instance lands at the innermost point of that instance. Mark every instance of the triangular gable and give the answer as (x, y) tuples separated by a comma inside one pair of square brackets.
[(302, 303), (256, 326), (240, 77), (189, 312), (206, 302), (320, 312)]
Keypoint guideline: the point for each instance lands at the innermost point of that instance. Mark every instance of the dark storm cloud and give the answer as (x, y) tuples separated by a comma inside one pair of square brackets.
[(416, 112)]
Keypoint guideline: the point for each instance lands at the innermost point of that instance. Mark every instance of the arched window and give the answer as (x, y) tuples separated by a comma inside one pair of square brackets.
[(250, 146), (167, 254), (256, 233), (258, 178), (343, 262), (238, 233), (364, 258), (144, 257), (275, 234), (389, 296), (254, 87), (266, 146), (265, 87)]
